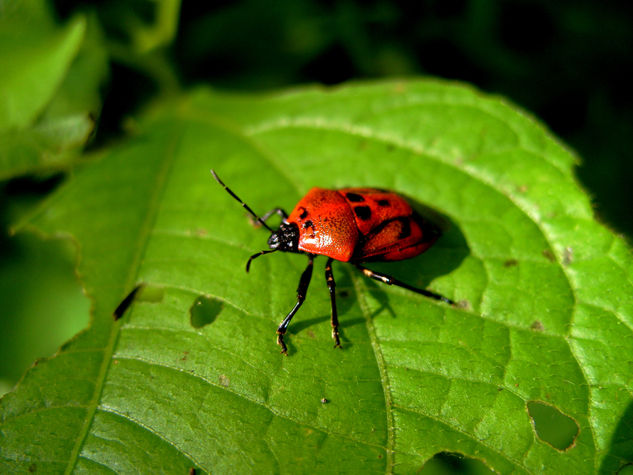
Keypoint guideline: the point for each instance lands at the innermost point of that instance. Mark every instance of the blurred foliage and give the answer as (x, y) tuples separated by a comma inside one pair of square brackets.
[(567, 62), (42, 303)]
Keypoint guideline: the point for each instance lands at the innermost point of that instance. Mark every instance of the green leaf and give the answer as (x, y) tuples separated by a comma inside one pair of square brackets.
[(34, 56), (49, 89), (191, 376)]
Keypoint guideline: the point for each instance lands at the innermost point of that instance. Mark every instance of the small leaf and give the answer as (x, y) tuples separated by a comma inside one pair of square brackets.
[(415, 377)]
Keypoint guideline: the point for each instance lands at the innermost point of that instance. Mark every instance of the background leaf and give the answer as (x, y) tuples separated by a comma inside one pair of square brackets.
[(547, 311), (49, 89)]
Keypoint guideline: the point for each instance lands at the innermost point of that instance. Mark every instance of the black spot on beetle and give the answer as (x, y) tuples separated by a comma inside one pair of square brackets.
[(354, 197), (304, 213), (383, 203), (405, 232), (363, 212), (307, 224)]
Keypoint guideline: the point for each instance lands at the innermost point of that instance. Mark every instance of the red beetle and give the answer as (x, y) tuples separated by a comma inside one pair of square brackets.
[(349, 225)]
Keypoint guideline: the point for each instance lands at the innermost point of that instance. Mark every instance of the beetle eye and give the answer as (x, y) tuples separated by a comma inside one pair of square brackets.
[(273, 241)]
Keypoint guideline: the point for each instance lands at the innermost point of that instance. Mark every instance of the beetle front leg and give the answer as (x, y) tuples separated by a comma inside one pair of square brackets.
[(331, 285), (278, 211), (302, 291), (387, 279)]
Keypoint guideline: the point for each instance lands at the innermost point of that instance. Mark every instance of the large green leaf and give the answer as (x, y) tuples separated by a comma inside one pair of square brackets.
[(191, 375)]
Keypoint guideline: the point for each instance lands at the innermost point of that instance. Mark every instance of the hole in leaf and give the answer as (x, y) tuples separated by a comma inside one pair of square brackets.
[(204, 311), (445, 463), (552, 426), (462, 304), (150, 293)]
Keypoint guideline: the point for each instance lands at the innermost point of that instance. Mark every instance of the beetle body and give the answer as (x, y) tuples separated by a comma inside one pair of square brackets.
[(352, 225), (360, 224)]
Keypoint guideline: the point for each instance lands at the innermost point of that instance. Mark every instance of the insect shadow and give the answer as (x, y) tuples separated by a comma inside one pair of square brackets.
[(444, 257), (345, 299), (620, 455)]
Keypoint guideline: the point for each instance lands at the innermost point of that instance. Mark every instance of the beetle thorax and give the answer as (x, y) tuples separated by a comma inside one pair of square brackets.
[(286, 238)]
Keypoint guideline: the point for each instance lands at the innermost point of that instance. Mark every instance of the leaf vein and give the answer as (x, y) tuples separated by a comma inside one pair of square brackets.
[(251, 400), (156, 434)]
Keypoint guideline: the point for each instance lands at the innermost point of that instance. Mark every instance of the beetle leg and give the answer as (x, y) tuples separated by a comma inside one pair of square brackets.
[(278, 211), (387, 279), (302, 290), (331, 285), (255, 256)]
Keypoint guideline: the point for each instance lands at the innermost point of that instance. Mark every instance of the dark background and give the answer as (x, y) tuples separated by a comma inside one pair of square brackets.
[(566, 62)]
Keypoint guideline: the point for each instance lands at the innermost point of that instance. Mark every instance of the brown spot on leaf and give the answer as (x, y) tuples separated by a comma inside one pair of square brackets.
[(549, 255), (568, 255), (537, 326)]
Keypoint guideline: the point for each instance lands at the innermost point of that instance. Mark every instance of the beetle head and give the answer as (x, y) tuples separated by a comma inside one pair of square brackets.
[(286, 238)]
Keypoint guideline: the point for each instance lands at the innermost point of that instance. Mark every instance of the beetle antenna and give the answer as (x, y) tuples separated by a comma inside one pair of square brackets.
[(245, 206), (255, 256)]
